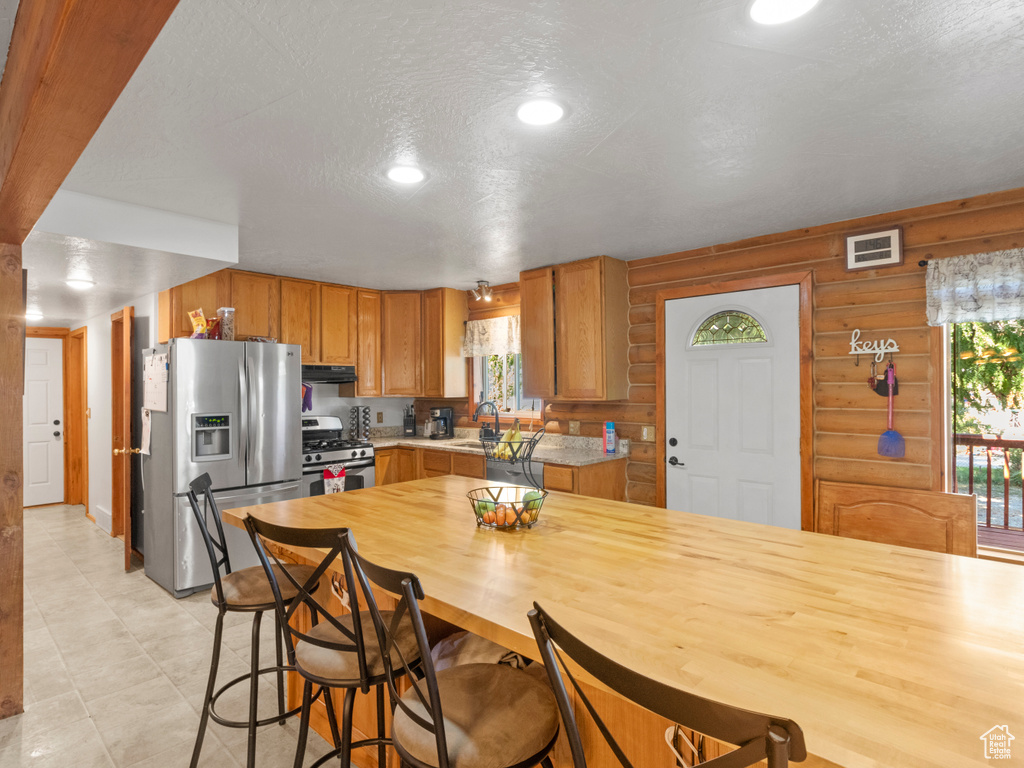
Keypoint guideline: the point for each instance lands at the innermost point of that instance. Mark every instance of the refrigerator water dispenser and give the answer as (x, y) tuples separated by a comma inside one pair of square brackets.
[(211, 437)]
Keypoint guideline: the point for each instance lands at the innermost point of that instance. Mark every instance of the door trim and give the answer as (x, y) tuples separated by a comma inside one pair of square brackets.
[(43, 332), (76, 412), (803, 281)]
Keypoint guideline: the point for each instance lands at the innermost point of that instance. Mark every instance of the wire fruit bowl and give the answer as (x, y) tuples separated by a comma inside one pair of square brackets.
[(512, 451), (507, 507)]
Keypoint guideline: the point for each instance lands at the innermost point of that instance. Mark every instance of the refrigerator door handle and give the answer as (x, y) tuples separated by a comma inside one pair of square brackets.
[(252, 418), (243, 414)]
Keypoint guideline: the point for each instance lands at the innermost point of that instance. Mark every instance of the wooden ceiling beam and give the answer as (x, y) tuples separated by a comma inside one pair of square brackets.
[(68, 63), (69, 60)]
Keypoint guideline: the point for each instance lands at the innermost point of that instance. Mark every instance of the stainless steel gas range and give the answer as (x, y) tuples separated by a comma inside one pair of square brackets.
[(323, 445)]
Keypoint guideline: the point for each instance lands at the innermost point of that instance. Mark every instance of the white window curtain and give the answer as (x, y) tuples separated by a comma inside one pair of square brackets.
[(982, 287), (495, 336)]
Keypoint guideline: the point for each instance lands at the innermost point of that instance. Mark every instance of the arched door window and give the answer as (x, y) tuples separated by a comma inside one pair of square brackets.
[(729, 327)]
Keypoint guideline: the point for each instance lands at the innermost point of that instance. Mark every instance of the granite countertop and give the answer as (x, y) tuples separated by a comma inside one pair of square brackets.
[(570, 455)]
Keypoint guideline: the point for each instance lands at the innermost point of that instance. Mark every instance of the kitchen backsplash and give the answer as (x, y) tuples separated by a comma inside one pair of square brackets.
[(550, 440), (327, 403)]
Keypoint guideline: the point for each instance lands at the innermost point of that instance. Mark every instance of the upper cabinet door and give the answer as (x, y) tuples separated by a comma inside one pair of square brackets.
[(579, 329), (300, 317), (338, 335), (368, 351), (444, 327), (208, 293), (537, 318), (257, 302), (402, 340), (433, 343)]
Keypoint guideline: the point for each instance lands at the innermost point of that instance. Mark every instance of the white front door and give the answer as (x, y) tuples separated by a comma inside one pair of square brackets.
[(43, 409), (732, 408)]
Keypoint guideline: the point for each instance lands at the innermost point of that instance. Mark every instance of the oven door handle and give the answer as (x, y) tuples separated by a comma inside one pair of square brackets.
[(311, 470)]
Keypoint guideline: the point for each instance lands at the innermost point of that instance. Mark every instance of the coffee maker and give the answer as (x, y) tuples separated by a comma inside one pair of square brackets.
[(443, 423)]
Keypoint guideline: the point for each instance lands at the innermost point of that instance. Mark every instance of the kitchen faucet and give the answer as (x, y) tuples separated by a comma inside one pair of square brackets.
[(494, 408)]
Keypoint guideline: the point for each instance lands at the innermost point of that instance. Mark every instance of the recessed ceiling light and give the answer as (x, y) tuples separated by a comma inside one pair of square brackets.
[(406, 174), (80, 283), (779, 11), (540, 112), (33, 314)]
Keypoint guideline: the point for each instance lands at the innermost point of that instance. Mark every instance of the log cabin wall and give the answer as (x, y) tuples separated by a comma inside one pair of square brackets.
[(887, 302)]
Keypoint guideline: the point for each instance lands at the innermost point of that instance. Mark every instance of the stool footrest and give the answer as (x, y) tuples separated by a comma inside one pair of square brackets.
[(334, 753), (278, 718)]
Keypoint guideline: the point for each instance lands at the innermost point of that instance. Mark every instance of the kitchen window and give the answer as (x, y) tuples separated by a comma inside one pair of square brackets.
[(499, 378)]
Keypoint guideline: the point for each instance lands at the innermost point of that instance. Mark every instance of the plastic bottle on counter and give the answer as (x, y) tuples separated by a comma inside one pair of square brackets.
[(610, 438)]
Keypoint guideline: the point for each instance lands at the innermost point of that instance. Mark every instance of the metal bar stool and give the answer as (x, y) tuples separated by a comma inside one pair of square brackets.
[(465, 716), (758, 736), (243, 591), (335, 651)]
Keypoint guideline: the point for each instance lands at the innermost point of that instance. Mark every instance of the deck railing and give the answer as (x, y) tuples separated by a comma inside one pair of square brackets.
[(996, 454)]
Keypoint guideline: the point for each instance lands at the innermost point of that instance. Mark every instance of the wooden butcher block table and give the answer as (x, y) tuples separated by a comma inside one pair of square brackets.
[(885, 656)]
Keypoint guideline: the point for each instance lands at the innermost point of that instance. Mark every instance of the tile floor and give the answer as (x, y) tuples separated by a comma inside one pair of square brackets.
[(115, 668)]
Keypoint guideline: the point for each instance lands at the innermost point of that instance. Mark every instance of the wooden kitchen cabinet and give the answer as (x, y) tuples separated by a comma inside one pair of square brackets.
[(300, 317), (338, 325), (575, 340), (394, 465), (605, 480), (257, 302), (368, 328), (469, 465), (591, 330), (537, 327), (445, 311), (402, 343), (208, 293), (434, 463)]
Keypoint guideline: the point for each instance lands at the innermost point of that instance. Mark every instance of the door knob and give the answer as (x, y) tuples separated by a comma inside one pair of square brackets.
[(118, 451), (56, 422), (56, 434), (676, 462), (133, 450)]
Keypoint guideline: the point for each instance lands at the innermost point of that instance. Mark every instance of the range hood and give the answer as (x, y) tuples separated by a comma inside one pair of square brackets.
[(335, 374)]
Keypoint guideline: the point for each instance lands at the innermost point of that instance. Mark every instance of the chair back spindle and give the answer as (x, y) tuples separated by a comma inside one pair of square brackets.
[(757, 736), (407, 586), (215, 542), (331, 540)]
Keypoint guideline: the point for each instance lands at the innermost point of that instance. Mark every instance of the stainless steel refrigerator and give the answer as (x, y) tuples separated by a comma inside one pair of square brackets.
[(233, 410)]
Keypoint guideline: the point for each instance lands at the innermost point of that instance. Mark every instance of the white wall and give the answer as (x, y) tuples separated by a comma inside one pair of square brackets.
[(100, 392), (327, 403)]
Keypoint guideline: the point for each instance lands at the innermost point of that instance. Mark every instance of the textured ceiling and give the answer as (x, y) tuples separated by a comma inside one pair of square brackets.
[(121, 273), (687, 125), (8, 10)]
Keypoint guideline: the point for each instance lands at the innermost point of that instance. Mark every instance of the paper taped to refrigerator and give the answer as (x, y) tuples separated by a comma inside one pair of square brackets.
[(154, 380)]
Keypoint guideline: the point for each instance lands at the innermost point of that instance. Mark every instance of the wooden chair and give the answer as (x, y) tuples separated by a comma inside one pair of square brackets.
[(335, 651), (466, 716), (758, 736), (243, 591), (939, 522)]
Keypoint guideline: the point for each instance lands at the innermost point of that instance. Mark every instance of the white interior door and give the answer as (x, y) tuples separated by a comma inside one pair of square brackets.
[(732, 410), (43, 409)]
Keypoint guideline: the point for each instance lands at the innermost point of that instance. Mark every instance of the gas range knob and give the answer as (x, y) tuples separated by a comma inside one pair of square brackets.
[(318, 457), (362, 453), (309, 458)]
